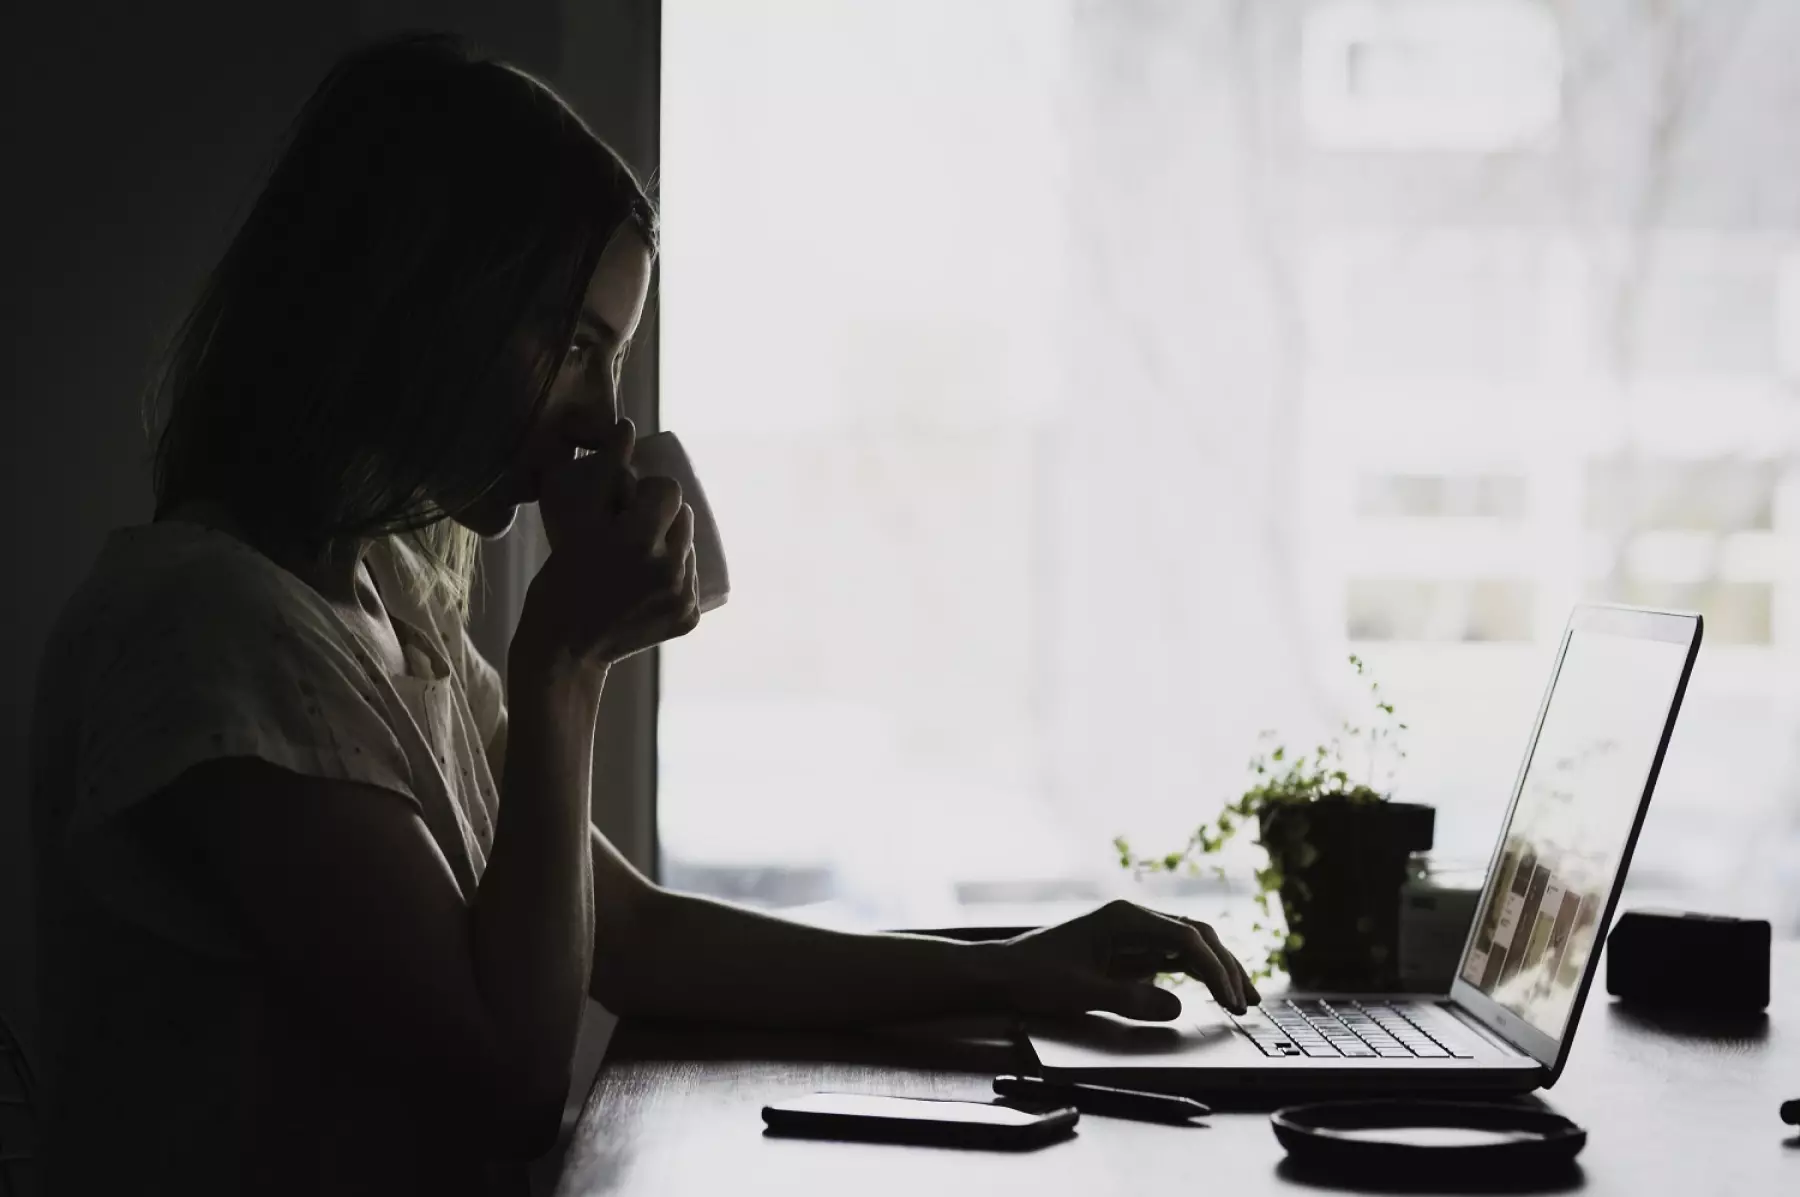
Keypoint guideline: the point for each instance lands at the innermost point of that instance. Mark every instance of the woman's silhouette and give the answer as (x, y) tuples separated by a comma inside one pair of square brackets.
[(320, 904)]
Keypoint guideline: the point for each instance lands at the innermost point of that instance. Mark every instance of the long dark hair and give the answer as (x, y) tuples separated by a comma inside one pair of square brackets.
[(370, 352)]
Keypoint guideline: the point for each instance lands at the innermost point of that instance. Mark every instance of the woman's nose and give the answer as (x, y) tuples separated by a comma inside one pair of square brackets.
[(601, 410), (589, 420), (615, 439)]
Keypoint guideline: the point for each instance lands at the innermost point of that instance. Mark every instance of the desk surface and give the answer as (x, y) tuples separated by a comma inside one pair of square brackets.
[(1670, 1108)]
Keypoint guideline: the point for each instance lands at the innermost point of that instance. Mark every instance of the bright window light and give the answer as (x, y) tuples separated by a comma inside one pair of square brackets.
[(1078, 384), (1466, 75)]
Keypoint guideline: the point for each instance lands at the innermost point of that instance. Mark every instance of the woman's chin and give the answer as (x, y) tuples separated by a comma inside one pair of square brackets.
[(489, 519)]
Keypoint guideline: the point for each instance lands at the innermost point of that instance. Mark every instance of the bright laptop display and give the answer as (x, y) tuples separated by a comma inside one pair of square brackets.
[(1570, 826)]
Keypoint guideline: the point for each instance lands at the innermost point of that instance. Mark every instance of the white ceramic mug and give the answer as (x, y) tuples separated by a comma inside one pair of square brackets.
[(661, 455)]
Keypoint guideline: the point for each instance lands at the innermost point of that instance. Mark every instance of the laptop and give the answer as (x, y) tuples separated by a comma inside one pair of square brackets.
[(1531, 953)]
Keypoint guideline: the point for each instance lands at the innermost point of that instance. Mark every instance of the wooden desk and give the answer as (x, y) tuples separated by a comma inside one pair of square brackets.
[(1670, 1108)]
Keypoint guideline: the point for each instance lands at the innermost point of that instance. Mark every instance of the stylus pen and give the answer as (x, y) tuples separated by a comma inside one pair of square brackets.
[(1790, 1112), (1103, 1100)]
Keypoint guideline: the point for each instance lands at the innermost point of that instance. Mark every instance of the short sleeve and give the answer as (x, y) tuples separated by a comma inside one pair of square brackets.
[(220, 664)]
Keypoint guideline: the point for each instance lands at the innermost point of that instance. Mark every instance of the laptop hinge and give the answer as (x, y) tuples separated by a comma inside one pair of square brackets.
[(1492, 1037)]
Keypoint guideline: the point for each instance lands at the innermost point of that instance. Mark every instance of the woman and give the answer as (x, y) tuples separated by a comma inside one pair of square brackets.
[(321, 906)]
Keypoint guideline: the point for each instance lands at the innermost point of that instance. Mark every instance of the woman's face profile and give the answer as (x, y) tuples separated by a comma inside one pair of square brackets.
[(586, 389)]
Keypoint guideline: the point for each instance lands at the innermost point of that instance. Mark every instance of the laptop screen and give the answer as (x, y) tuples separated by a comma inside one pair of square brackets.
[(1577, 802)]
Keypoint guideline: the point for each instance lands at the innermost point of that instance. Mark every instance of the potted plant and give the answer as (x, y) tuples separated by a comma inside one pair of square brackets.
[(1339, 851)]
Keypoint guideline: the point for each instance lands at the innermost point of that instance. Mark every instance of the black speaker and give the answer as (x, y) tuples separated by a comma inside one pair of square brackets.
[(1682, 960)]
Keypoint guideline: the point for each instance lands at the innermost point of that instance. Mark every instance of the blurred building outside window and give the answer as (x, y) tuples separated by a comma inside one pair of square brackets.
[(1078, 384)]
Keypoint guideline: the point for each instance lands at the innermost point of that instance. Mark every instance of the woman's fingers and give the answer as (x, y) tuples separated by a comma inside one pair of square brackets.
[(690, 615), (1187, 949), (1246, 988), (1133, 999), (675, 609), (1217, 968), (678, 541), (654, 511), (1140, 964)]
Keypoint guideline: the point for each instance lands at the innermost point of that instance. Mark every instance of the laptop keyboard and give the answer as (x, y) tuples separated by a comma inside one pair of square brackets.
[(1335, 1029)]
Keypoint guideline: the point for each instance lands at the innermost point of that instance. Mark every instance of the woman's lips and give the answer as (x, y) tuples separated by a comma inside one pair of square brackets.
[(520, 486), (525, 483)]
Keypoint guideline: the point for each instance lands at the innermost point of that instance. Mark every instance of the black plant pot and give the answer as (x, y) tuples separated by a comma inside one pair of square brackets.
[(1342, 866)]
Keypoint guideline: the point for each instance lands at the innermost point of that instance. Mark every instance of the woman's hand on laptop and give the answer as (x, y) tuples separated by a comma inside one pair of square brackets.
[(1109, 959)]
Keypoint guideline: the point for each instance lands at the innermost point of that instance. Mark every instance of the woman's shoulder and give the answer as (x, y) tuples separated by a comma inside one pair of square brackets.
[(174, 579), (172, 559)]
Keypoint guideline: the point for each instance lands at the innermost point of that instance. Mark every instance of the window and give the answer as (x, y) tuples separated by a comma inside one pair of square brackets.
[(1709, 306), (1441, 302), (1691, 534), (1738, 613), (1468, 75), (1069, 423), (1787, 313), (1721, 496), (1478, 610), (1428, 496)]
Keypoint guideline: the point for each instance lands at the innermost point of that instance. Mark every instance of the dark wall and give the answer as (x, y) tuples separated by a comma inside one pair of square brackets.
[(135, 136)]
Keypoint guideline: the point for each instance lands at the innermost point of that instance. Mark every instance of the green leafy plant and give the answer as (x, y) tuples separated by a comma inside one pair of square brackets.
[(1357, 765)]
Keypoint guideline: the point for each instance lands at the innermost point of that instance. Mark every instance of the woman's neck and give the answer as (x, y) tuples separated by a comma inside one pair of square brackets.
[(332, 573)]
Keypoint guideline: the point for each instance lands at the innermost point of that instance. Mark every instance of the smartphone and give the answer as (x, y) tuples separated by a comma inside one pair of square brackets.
[(917, 1120)]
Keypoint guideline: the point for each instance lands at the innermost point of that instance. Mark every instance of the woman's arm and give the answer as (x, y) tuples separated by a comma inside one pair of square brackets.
[(667, 955), (659, 954), (355, 910), (815, 977), (757, 969), (534, 916)]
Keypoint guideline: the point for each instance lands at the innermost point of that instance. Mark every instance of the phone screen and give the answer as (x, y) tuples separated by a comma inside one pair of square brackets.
[(912, 1109)]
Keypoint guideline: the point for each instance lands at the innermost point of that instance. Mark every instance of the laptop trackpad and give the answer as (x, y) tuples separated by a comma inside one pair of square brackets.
[(1203, 1035)]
